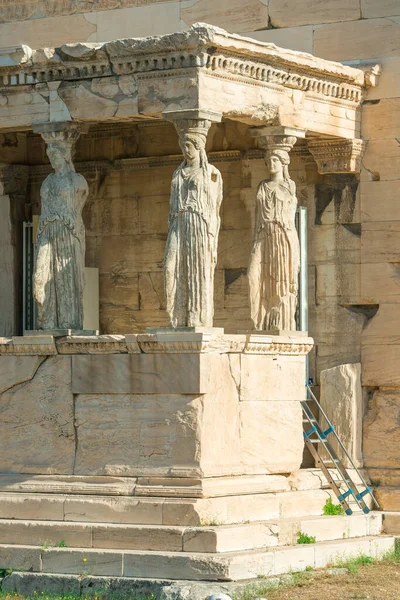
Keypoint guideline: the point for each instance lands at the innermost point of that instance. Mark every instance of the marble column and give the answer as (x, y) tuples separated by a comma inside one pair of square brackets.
[(193, 227), (60, 243), (275, 256)]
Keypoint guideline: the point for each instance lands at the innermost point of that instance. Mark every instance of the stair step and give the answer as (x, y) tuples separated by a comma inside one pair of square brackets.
[(210, 539), (163, 511), (191, 565)]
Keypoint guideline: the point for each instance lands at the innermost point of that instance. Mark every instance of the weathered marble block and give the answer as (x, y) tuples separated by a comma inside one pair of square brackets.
[(182, 406), (342, 401)]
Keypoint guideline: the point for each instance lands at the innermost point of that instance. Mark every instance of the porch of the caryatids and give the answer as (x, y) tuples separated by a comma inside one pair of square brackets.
[(275, 256), (193, 226), (60, 245)]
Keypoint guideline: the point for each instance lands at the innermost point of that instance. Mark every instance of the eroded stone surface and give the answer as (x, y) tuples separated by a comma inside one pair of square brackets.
[(341, 398), (37, 422)]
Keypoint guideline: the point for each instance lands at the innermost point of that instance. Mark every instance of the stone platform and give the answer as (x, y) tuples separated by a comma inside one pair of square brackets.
[(165, 456)]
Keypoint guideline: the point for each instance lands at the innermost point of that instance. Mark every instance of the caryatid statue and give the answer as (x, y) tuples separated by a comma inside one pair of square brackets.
[(194, 222), (60, 243), (275, 257)]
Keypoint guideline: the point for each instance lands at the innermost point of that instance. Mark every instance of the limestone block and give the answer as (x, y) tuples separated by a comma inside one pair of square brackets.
[(153, 214), (389, 499), (272, 378), (140, 374), (68, 484), (370, 38), (295, 38), (151, 291), (381, 160), (126, 435), (380, 282), (83, 103), (178, 566), (290, 13), (333, 280), (20, 10), (226, 13), (377, 201), (298, 559), (381, 120), (135, 21), (21, 558), (379, 8), (306, 479), (227, 539), (391, 523), (125, 509), (389, 79), (302, 503), (333, 552), (383, 328), (47, 33), (379, 242), (120, 289), (333, 243), (36, 506), (133, 253), (110, 215), (381, 437), (29, 583), (17, 369), (151, 538), (37, 431), (271, 436), (342, 401), (64, 560), (39, 533)]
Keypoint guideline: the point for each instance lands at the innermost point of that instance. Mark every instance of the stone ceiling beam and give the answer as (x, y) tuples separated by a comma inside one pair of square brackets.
[(202, 68)]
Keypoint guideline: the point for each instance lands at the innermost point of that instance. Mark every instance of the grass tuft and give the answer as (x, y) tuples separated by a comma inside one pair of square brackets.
[(333, 509), (303, 538)]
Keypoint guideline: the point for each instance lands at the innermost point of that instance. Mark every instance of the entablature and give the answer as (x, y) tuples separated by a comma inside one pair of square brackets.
[(202, 68)]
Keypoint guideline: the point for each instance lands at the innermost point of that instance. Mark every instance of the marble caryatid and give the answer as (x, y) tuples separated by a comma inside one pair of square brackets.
[(60, 244), (275, 256), (194, 222)]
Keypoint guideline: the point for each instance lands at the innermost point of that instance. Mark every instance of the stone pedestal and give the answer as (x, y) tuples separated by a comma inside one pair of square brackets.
[(174, 408)]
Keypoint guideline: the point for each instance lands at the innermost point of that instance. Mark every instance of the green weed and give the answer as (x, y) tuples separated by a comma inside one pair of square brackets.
[(303, 538), (333, 509)]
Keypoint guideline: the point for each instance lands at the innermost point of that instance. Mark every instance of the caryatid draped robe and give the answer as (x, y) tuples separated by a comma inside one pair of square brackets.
[(60, 246), (275, 258), (191, 250)]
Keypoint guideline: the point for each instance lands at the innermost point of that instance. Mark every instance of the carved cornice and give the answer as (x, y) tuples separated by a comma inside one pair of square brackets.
[(337, 155), (279, 345), (43, 345), (202, 48), (156, 343)]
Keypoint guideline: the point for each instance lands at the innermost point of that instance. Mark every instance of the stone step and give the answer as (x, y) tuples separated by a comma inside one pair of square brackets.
[(388, 498), (225, 538), (223, 510), (228, 566), (391, 523)]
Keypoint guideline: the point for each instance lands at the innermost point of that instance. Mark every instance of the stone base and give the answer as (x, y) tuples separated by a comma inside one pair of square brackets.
[(165, 405), (59, 332), (279, 332)]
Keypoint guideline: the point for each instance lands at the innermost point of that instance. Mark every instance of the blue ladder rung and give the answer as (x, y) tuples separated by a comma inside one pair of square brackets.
[(364, 493), (310, 432), (345, 495), (329, 430)]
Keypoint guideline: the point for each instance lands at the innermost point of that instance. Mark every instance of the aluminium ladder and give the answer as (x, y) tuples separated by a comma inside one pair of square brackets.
[(313, 438)]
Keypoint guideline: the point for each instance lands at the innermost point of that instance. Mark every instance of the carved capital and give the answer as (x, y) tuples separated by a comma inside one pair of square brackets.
[(337, 155), (276, 138), (61, 133)]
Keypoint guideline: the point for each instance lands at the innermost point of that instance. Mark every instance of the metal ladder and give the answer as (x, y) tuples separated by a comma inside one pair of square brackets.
[(315, 436)]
